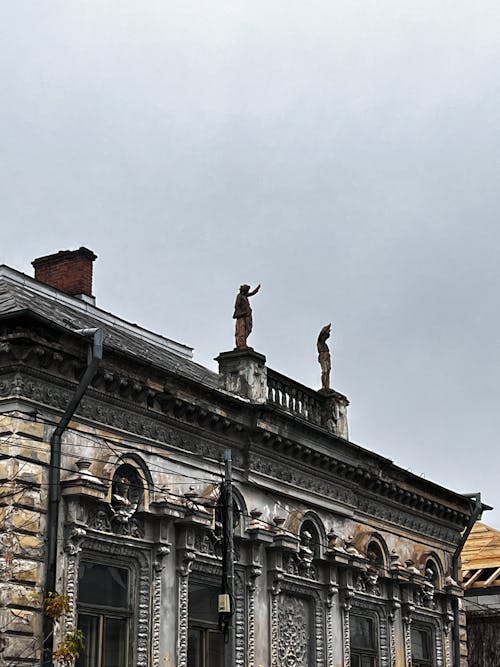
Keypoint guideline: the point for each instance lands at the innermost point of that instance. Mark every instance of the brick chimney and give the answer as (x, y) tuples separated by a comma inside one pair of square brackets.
[(68, 270)]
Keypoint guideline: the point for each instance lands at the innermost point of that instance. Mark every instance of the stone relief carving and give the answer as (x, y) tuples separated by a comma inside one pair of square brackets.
[(293, 564), (209, 543), (407, 619), (423, 596), (346, 627), (275, 592), (240, 620), (74, 539), (394, 606), (106, 521), (185, 566), (294, 623), (127, 493), (283, 589), (255, 572), (330, 647), (160, 552), (290, 475), (406, 519), (138, 421), (447, 627), (367, 582)]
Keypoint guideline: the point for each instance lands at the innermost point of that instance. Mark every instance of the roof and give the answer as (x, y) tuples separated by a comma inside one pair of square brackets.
[(21, 294), (481, 558)]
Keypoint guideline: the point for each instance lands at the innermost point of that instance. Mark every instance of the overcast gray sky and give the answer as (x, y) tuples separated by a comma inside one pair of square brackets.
[(344, 153)]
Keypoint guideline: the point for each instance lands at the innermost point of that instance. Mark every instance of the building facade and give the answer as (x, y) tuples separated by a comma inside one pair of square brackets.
[(481, 582), (341, 557)]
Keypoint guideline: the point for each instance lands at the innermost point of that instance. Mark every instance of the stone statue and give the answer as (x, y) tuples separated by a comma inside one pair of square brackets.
[(243, 315), (324, 356)]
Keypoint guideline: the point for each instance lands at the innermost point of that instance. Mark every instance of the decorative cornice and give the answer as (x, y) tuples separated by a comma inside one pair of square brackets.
[(156, 410)]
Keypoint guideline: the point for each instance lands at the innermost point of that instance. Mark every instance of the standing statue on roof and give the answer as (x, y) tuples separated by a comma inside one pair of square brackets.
[(243, 315), (324, 357)]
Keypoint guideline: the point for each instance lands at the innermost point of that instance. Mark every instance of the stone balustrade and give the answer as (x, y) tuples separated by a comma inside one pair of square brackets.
[(294, 397)]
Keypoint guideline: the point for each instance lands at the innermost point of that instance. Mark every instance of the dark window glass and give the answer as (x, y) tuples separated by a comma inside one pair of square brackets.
[(205, 641), (375, 555), (104, 615), (90, 626), (362, 632), (115, 642), (421, 646), (195, 647), (103, 585), (364, 651), (204, 602), (215, 649)]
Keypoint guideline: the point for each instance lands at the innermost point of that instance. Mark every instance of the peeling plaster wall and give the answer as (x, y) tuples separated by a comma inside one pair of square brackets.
[(23, 471)]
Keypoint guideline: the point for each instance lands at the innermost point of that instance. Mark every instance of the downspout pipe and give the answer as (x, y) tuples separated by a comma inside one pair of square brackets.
[(476, 514), (95, 357)]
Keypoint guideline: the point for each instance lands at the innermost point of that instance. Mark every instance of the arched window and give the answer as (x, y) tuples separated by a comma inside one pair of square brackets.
[(375, 555), (239, 513), (311, 537), (127, 493), (432, 572)]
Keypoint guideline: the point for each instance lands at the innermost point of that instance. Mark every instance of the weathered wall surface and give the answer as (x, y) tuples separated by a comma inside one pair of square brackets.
[(23, 471), (483, 637), (169, 433)]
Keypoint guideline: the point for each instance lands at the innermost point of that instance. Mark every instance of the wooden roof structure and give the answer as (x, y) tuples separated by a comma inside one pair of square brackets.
[(481, 558)]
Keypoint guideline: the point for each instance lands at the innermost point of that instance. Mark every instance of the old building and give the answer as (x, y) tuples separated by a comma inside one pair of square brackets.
[(112, 442), (481, 582)]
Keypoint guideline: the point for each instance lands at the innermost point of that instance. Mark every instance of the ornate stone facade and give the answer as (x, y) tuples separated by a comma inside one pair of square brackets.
[(151, 430)]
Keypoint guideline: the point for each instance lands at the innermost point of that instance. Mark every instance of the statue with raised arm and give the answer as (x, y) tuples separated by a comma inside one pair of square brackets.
[(324, 356), (243, 315)]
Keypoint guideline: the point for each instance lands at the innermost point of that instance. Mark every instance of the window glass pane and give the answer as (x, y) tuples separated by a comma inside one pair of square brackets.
[(420, 644), (103, 585), (89, 655), (215, 649), (195, 647), (367, 661), (362, 632), (204, 602), (115, 642)]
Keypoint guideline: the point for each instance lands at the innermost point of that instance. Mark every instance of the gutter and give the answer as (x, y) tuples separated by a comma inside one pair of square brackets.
[(95, 357), (477, 510)]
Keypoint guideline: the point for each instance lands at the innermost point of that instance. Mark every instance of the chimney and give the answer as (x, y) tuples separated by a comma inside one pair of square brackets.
[(69, 271)]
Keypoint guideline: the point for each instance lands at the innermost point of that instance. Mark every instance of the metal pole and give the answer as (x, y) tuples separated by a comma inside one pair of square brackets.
[(475, 515), (231, 644), (54, 492)]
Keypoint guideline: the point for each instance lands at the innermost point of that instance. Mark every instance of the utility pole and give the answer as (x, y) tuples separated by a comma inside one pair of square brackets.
[(229, 556)]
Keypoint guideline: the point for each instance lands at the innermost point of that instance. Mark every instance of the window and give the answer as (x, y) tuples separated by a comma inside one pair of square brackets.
[(205, 641), (364, 651), (104, 614), (375, 555), (432, 573), (421, 647), (310, 538)]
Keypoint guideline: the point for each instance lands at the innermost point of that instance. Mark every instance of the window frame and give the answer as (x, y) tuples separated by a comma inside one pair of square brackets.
[(204, 626), (429, 629), (103, 612), (363, 652)]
